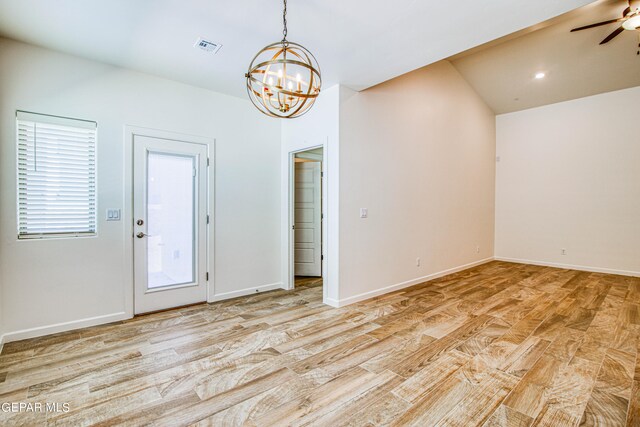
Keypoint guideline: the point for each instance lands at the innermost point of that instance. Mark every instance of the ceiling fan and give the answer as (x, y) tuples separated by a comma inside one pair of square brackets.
[(630, 21)]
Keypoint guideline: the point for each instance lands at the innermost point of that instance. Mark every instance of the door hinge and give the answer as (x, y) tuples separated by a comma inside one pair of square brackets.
[(207, 218), (207, 276), (321, 257), (207, 161), (321, 174), (293, 227)]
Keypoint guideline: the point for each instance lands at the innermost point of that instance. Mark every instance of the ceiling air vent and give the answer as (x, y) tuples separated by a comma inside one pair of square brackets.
[(207, 46)]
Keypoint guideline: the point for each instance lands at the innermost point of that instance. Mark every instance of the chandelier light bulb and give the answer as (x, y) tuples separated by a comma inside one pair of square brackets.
[(279, 85), (632, 23)]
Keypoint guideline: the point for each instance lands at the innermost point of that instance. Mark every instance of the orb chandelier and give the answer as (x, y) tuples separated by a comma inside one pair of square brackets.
[(283, 78)]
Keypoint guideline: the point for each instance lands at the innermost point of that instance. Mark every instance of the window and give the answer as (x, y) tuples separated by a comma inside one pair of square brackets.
[(56, 176)]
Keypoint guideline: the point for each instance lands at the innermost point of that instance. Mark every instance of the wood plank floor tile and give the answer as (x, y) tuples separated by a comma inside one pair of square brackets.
[(633, 414), (507, 417), (401, 347), (325, 399), (500, 344), (605, 409), (369, 403), (525, 356), (380, 412), (255, 407), (108, 409), (478, 406), (424, 381), (566, 397), (616, 373)]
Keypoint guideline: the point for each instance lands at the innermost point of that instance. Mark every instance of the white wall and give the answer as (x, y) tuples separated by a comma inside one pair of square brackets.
[(569, 177), (419, 153), (320, 126), (61, 282), (1, 313)]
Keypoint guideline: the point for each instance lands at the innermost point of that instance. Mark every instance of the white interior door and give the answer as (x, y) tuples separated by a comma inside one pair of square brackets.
[(170, 220), (308, 219)]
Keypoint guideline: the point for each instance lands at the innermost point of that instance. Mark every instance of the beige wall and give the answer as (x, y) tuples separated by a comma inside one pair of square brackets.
[(569, 178), (419, 153)]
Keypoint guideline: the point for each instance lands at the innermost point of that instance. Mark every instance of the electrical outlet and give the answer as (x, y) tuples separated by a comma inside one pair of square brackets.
[(417, 262), (564, 251), (364, 212), (478, 249)]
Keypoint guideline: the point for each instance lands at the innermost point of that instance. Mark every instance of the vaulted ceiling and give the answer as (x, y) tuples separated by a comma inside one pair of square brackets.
[(575, 64), (358, 43)]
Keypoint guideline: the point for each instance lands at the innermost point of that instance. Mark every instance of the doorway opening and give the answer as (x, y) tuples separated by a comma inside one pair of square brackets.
[(307, 200)]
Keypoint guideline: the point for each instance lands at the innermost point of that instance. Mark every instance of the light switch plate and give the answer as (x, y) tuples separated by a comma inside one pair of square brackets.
[(364, 212), (113, 214)]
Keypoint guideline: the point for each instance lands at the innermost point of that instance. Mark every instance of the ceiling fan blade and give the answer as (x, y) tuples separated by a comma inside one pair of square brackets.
[(586, 27), (612, 35)]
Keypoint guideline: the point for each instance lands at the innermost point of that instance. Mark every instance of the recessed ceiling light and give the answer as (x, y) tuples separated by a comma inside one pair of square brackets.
[(540, 75)]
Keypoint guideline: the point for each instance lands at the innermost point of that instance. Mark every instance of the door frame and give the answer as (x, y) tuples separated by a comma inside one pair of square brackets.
[(315, 162), (127, 216), (290, 285)]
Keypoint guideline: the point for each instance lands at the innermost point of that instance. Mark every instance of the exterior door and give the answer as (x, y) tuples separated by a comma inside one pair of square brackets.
[(170, 221), (308, 219)]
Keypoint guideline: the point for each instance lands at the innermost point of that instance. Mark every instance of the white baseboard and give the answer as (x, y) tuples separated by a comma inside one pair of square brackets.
[(63, 327), (398, 286), (570, 266), (248, 291), (114, 317), (331, 302)]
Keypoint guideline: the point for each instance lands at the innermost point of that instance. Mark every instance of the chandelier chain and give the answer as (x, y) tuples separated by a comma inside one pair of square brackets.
[(284, 21)]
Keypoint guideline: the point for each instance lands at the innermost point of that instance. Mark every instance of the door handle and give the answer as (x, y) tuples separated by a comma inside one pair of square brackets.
[(140, 235)]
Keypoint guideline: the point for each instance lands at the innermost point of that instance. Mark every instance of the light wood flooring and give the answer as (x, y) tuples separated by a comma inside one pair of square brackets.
[(307, 281), (497, 345)]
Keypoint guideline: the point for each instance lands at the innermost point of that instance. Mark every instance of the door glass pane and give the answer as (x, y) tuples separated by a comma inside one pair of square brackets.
[(170, 220)]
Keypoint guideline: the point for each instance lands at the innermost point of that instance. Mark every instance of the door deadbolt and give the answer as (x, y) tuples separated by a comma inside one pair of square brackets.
[(139, 222)]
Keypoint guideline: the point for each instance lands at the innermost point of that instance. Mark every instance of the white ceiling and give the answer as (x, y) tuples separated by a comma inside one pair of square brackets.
[(358, 43), (575, 64)]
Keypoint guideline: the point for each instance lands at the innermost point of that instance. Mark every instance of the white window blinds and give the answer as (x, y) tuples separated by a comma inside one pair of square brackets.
[(56, 176)]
